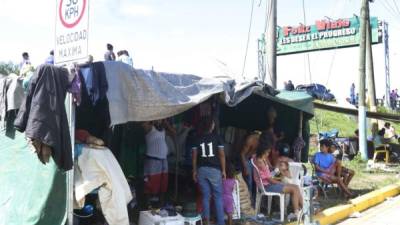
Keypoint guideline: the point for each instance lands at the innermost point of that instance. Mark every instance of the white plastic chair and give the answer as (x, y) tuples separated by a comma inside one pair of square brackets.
[(193, 220), (261, 193), (236, 201), (297, 173)]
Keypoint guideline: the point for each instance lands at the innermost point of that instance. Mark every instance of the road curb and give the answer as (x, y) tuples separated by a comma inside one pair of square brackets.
[(337, 213)]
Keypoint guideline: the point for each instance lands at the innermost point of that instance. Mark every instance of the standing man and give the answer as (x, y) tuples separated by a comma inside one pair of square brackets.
[(208, 158), (393, 99), (50, 58), (353, 94), (25, 60), (124, 57), (109, 55), (290, 86)]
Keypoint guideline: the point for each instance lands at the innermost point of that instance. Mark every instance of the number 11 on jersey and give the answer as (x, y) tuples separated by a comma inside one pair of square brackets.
[(210, 149)]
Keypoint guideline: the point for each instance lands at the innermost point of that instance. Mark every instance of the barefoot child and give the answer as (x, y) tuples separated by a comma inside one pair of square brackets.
[(227, 198), (284, 172)]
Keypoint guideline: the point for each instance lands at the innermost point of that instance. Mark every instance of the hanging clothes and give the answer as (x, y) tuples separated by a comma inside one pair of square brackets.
[(91, 115), (94, 75), (42, 115), (99, 168), (11, 95), (15, 93), (3, 96), (75, 89)]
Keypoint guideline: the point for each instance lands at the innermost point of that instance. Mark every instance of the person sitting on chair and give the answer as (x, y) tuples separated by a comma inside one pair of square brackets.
[(262, 174), (325, 167), (341, 171), (379, 138)]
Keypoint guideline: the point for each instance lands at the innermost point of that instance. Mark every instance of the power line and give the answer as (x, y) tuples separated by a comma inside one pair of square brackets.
[(248, 38), (397, 8), (387, 7), (391, 13)]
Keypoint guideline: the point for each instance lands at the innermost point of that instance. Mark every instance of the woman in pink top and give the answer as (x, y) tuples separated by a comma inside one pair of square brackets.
[(271, 184)]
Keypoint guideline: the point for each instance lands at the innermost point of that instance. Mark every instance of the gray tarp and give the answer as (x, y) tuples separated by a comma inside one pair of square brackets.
[(139, 95)]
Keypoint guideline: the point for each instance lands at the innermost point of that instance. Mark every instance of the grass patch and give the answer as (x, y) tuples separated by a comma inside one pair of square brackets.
[(326, 120), (363, 182)]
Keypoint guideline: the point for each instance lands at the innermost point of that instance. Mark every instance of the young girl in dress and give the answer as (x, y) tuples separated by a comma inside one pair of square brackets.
[(227, 198)]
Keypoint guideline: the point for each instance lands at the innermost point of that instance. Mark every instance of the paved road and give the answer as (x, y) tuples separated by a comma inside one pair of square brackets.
[(387, 213)]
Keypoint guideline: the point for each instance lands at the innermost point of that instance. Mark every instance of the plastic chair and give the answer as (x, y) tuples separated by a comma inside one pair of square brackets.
[(261, 193), (193, 220), (236, 201), (379, 150), (297, 173)]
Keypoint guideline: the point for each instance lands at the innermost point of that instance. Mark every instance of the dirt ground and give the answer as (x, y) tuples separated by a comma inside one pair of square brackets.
[(362, 183)]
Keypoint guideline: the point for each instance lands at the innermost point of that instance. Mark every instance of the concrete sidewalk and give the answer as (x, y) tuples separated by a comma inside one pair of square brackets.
[(359, 204), (386, 213)]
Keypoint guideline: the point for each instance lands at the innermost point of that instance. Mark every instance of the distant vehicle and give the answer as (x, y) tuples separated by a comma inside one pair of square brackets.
[(317, 91)]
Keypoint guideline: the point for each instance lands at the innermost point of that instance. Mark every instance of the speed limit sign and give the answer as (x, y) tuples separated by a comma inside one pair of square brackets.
[(72, 23)]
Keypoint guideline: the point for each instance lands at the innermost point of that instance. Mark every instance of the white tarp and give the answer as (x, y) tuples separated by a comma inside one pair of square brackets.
[(139, 95)]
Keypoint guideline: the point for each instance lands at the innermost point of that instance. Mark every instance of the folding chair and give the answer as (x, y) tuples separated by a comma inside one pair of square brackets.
[(261, 193), (321, 184)]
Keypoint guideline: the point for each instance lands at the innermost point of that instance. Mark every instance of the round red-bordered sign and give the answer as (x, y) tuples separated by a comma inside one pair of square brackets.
[(71, 25)]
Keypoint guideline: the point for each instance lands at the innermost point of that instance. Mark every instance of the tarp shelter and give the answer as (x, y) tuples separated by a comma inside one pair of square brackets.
[(35, 193), (250, 114)]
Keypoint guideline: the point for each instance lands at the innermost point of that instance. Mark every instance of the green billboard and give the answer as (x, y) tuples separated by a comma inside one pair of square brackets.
[(324, 34)]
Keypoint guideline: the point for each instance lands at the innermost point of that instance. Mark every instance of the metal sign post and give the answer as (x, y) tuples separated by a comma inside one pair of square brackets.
[(71, 45)]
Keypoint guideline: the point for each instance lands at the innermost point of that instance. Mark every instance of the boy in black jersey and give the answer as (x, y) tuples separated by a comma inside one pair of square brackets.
[(209, 169)]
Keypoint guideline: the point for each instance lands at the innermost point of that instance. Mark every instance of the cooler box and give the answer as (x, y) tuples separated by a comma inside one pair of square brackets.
[(146, 218)]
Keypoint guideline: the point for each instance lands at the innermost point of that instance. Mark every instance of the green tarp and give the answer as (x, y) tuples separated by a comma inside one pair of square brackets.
[(296, 99), (251, 114), (30, 192)]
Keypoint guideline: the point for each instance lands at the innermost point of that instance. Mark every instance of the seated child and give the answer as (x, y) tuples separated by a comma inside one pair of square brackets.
[(284, 173), (324, 163)]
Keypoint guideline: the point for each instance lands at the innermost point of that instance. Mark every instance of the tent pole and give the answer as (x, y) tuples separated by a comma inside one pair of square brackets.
[(301, 125), (297, 155), (176, 168)]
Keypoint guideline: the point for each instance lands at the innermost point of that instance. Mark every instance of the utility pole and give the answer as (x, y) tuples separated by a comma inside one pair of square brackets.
[(387, 66), (370, 69), (271, 43), (362, 61)]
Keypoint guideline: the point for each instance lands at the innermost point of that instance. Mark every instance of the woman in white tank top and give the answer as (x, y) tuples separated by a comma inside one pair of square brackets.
[(156, 164)]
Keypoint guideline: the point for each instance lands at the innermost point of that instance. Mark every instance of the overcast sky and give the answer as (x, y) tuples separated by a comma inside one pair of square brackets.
[(205, 37)]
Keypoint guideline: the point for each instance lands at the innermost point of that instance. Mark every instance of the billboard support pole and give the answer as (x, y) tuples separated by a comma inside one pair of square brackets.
[(370, 69), (271, 43), (387, 67), (362, 64)]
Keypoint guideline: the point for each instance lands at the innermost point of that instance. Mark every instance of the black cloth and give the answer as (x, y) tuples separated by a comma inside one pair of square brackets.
[(42, 115), (99, 84), (95, 118), (208, 150)]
